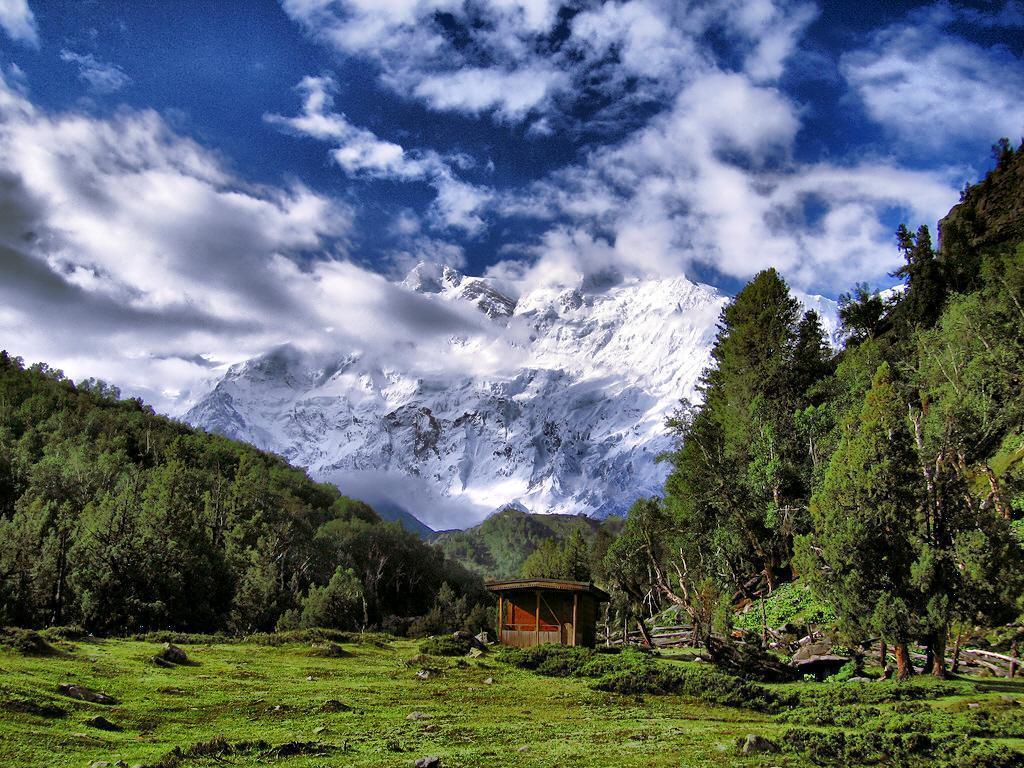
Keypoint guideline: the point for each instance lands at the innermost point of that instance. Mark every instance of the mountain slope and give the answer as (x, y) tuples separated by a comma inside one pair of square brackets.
[(497, 547), (570, 419)]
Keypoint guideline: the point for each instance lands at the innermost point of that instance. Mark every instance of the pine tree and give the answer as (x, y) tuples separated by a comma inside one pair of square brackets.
[(861, 555), (576, 558)]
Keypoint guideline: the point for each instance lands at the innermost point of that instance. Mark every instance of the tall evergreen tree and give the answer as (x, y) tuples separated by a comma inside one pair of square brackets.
[(860, 556)]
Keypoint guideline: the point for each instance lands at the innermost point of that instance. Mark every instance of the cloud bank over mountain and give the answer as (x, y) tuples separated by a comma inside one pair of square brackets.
[(542, 144)]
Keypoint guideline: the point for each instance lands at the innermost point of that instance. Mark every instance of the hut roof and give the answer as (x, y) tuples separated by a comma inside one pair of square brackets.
[(557, 585)]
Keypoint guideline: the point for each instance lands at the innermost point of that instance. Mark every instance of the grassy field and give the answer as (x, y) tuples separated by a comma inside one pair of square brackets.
[(259, 704)]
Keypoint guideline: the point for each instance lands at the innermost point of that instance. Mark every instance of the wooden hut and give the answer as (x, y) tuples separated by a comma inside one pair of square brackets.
[(536, 611)]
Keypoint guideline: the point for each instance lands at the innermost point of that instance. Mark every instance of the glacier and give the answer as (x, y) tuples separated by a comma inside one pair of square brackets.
[(571, 419)]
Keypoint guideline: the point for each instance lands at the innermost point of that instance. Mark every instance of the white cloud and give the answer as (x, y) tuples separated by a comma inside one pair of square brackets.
[(360, 152), (130, 253), (513, 95), (101, 77), (933, 88), (19, 22), (517, 59), (700, 188)]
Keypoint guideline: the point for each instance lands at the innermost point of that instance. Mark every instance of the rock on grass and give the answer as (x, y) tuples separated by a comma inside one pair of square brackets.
[(100, 722), (82, 693)]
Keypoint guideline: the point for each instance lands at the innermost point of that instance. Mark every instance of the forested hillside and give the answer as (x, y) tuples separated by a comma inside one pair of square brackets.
[(889, 476), (122, 520), (500, 545)]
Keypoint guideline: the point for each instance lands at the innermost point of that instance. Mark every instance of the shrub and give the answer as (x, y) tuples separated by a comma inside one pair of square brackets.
[(792, 603), (838, 748), (700, 683), (634, 672), (445, 645), (26, 641), (70, 632), (338, 605)]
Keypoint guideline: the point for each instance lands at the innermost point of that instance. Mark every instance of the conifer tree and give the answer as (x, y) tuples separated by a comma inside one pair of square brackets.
[(861, 555)]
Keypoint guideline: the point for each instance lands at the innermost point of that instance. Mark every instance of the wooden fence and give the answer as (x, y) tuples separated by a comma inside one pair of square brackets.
[(973, 659)]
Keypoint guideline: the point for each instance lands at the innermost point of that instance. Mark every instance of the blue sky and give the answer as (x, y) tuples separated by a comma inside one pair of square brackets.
[(187, 183)]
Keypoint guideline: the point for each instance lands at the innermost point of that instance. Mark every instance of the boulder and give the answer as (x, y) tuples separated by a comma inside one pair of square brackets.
[(755, 745), (85, 694), (417, 716), (172, 654), (426, 674), (428, 762), (99, 721), (484, 639), (810, 650)]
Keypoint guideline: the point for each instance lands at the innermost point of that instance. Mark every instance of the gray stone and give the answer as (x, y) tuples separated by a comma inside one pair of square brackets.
[(428, 762), (488, 681), (483, 638), (85, 694), (859, 680), (173, 654), (754, 745), (417, 716)]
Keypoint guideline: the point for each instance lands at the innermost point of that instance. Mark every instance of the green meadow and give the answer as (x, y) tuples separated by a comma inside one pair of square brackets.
[(349, 704)]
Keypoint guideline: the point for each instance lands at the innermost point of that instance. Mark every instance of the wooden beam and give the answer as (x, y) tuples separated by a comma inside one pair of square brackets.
[(537, 637), (501, 614), (575, 605)]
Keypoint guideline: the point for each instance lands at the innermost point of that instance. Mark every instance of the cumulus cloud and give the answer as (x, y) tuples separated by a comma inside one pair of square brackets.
[(101, 77), (699, 188), (933, 88), (362, 153), (129, 252), (19, 22)]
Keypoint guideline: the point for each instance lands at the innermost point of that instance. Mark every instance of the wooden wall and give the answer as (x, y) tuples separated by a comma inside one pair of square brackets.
[(519, 619)]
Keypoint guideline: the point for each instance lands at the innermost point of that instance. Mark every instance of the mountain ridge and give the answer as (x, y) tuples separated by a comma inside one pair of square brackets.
[(573, 422)]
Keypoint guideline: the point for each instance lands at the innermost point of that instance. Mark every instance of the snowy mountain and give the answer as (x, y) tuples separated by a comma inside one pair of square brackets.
[(572, 422)]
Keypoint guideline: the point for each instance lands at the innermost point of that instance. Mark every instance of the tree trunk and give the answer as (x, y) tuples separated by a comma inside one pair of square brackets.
[(956, 654), (644, 633), (939, 655), (997, 492), (904, 667)]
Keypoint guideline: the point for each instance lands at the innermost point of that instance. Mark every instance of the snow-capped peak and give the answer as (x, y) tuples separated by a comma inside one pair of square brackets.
[(572, 423)]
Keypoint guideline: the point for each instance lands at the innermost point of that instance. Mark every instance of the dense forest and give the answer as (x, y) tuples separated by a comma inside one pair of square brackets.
[(502, 544), (121, 520), (887, 475)]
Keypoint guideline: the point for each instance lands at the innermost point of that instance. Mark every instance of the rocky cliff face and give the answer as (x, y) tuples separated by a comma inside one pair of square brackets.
[(992, 211), (575, 426)]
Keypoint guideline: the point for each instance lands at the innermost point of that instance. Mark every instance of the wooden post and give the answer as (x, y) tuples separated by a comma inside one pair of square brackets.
[(501, 615), (575, 603), (537, 635)]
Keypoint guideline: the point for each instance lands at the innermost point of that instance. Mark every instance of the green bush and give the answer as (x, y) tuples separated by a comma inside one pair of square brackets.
[(70, 632), (634, 672), (910, 748), (878, 692), (695, 682), (26, 641), (792, 603)]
